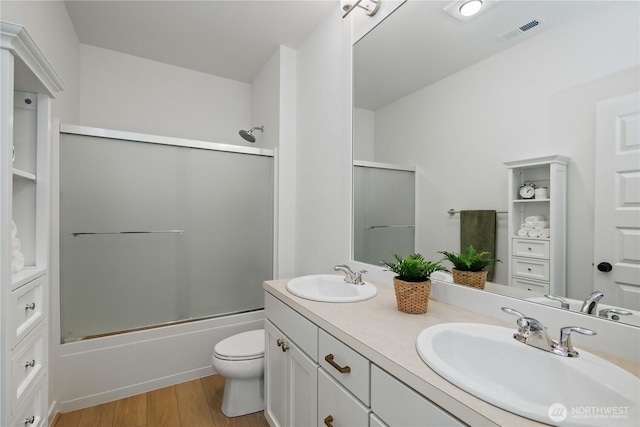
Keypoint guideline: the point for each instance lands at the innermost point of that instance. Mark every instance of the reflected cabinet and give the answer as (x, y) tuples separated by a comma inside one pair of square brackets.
[(537, 224)]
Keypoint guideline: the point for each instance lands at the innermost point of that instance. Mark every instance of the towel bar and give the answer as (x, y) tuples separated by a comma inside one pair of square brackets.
[(129, 232), (452, 212)]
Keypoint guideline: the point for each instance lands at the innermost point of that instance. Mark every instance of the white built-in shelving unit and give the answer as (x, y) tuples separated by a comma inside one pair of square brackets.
[(538, 264), (28, 82)]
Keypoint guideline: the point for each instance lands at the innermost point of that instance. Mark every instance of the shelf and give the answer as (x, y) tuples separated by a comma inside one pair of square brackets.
[(515, 236), (23, 174), (26, 275), (531, 200)]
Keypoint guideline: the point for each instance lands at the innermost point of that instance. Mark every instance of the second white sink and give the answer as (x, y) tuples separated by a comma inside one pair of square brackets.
[(330, 288), (487, 362)]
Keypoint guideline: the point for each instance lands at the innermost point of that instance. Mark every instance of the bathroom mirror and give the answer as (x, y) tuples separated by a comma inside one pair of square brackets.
[(457, 99)]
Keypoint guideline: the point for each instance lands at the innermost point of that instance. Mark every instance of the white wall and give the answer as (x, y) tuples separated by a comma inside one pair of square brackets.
[(265, 103), (537, 98), (323, 205), (124, 92), (363, 134)]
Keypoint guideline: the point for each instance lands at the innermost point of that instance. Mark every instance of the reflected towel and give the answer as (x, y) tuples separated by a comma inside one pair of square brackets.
[(546, 233), (17, 263), (535, 218), (534, 233), (478, 229), (522, 232), (14, 230), (527, 226), (15, 247), (540, 225)]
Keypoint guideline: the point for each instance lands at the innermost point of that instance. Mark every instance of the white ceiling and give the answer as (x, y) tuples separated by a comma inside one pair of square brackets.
[(232, 38), (420, 44)]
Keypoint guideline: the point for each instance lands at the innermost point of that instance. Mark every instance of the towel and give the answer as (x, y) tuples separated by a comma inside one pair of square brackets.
[(545, 234), (527, 226), (478, 229), (535, 218), (540, 225), (15, 247), (14, 230), (534, 233), (17, 263), (523, 233)]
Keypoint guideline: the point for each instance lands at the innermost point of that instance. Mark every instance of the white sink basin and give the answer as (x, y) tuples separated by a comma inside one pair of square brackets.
[(330, 288), (487, 362)]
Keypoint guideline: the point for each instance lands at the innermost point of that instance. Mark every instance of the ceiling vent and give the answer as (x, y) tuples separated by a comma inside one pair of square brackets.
[(515, 32)]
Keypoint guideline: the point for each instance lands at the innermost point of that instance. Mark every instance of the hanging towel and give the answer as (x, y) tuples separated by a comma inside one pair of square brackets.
[(478, 229)]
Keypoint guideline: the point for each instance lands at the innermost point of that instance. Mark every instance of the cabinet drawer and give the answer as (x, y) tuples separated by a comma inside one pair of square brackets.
[(27, 304), (336, 406), (34, 411), (530, 269), (297, 328), (374, 421), (27, 362), (531, 248), (530, 285), (336, 358), (398, 405)]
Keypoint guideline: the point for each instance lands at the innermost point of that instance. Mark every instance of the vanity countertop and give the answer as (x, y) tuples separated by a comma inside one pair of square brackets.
[(377, 330)]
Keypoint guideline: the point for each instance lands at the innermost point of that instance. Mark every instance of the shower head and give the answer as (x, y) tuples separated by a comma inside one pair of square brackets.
[(248, 135)]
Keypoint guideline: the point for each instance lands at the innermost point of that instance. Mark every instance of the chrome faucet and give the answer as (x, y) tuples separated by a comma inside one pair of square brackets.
[(615, 313), (590, 305), (563, 303), (350, 275), (533, 333)]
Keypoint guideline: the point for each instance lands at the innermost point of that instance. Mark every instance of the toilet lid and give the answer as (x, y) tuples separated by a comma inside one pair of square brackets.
[(246, 345)]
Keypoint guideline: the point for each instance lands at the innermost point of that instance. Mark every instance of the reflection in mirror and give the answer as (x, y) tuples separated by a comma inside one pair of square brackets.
[(460, 99)]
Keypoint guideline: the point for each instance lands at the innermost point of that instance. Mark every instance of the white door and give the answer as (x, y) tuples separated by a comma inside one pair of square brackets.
[(617, 201)]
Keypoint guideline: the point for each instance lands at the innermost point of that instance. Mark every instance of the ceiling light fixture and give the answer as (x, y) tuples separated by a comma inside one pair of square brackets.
[(470, 7), (464, 10)]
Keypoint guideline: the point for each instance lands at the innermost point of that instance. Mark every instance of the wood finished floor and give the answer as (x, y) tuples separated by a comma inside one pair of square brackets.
[(195, 403)]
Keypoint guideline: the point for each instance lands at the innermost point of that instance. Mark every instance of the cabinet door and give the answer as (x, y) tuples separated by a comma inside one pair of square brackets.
[(274, 377), (302, 384)]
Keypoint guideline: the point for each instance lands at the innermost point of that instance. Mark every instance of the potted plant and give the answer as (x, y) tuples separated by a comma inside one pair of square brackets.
[(412, 284), (470, 266)]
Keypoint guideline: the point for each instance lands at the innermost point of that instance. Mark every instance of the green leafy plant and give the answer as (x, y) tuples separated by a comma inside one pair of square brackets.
[(413, 268), (469, 259)]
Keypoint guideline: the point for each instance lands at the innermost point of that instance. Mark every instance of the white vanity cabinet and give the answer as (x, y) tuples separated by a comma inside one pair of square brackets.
[(538, 264), (27, 84), (291, 371), (321, 381)]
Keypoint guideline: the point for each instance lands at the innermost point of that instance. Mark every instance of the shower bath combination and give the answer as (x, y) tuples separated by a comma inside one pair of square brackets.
[(248, 135)]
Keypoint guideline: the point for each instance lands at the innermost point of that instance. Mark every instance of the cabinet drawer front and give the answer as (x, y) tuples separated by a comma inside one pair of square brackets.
[(530, 269), (398, 405), (374, 421), (27, 362), (34, 411), (337, 403), (531, 248), (27, 309), (530, 285), (335, 357), (297, 328)]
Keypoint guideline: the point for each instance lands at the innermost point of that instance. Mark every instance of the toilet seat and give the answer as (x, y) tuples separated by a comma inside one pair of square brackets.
[(244, 346)]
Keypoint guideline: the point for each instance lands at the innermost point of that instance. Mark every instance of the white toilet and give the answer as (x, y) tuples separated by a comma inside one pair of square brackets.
[(240, 359)]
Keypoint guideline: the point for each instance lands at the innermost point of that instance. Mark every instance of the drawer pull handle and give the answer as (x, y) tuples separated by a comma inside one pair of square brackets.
[(328, 421), (30, 420), (529, 248), (341, 369), (30, 364), (282, 345), (529, 268), (31, 306), (279, 342)]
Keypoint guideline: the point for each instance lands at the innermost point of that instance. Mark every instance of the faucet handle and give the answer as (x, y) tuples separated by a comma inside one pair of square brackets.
[(565, 344), (359, 277), (512, 311), (616, 311), (563, 303)]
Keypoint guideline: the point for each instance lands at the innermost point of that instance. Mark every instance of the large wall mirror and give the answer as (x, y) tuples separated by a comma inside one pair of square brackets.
[(455, 100)]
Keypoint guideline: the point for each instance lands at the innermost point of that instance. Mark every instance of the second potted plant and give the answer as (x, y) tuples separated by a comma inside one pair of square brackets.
[(470, 266), (412, 284)]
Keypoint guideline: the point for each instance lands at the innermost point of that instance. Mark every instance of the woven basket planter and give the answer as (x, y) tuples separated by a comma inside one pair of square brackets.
[(475, 279), (412, 297)]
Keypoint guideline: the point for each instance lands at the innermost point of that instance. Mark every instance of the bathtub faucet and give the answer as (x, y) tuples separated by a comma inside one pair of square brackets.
[(350, 275)]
